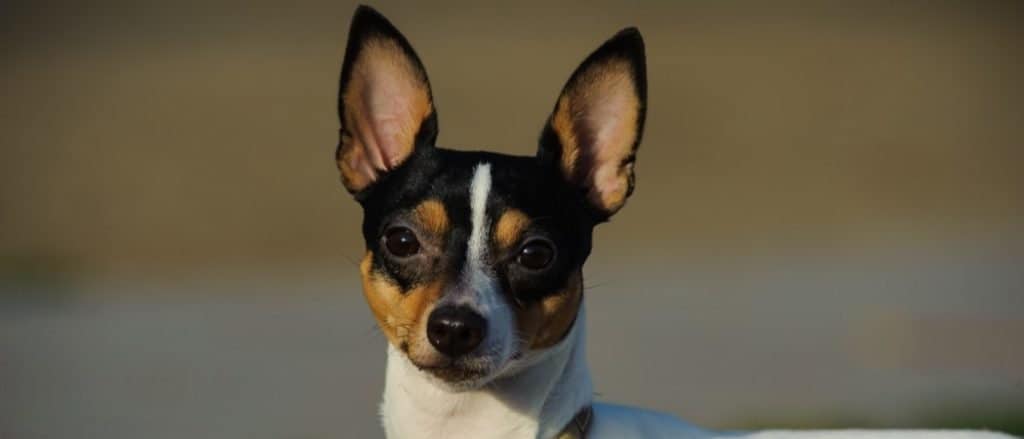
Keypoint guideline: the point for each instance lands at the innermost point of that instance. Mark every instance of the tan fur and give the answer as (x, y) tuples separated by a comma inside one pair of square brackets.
[(433, 217), (545, 323), (510, 228), (596, 121), (398, 315), (386, 100), (562, 122)]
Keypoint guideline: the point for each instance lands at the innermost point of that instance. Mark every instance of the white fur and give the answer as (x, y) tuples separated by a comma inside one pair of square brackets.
[(479, 190)]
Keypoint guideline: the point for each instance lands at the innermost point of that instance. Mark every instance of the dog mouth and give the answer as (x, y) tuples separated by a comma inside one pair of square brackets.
[(467, 373), (454, 371), (454, 374)]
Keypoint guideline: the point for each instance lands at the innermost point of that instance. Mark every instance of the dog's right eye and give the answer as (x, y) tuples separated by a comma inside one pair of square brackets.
[(401, 242)]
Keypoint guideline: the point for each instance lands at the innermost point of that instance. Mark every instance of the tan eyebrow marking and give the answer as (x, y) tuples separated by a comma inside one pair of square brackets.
[(510, 228), (432, 215)]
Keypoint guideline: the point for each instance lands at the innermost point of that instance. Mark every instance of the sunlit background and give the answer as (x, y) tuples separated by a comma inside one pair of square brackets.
[(827, 228)]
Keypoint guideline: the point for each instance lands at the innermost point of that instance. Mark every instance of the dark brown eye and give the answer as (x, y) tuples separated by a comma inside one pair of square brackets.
[(401, 242), (536, 255)]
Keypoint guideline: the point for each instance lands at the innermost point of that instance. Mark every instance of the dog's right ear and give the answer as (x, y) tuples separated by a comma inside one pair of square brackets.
[(384, 102)]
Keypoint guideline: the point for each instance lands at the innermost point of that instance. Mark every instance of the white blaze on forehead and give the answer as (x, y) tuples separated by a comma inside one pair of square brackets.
[(479, 189), (478, 288)]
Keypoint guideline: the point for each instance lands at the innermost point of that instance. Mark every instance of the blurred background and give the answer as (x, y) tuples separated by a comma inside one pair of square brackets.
[(826, 231)]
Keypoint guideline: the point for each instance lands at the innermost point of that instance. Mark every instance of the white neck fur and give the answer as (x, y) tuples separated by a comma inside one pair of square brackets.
[(536, 397)]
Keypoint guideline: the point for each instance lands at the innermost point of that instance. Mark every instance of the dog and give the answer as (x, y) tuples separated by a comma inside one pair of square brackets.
[(473, 263)]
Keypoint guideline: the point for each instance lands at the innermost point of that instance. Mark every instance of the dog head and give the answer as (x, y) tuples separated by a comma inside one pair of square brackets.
[(474, 259)]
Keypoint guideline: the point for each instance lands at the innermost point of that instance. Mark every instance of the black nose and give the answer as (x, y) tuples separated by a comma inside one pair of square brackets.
[(455, 330)]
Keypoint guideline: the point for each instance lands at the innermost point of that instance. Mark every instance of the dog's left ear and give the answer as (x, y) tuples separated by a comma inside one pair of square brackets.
[(595, 129), (384, 102)]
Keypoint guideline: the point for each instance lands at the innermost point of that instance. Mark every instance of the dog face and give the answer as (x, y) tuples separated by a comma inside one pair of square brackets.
[(474, 259)]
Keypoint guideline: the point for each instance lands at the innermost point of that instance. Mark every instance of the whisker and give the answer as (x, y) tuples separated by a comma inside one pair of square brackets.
[(589, 287), (355, 262), (372, 330)]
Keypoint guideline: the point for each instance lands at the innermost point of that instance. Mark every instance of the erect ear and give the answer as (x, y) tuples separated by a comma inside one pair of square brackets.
[(595, 129), (384, 102)]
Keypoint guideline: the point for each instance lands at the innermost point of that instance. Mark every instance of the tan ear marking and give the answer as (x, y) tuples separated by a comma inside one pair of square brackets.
[(562, 122), (356, 174), (510, 227)]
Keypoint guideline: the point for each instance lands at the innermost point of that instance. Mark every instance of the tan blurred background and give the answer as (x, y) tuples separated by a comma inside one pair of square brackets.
[(826, 230)]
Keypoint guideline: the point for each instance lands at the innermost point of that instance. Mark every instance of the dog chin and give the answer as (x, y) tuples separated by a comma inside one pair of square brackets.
[(459, 375)]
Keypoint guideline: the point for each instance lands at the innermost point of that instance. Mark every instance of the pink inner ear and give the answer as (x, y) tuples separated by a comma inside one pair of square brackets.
[(391, 105), (386, 101), (606, 129)]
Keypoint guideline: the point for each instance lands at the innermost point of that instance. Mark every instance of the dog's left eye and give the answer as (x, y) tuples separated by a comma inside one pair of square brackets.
[(401, 242), (536, 254)]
